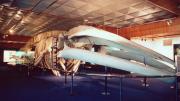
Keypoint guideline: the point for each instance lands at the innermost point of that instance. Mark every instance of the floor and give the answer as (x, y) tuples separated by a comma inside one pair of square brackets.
[(16, 86)]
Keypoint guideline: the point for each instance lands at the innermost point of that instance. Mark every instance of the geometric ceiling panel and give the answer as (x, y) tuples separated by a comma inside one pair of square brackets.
[(101, 3), (33, 16), (103, 11), (75, 3), (89, 8), (128, 10), (139, 13), (43, 5), (152, 10), (143, 5)]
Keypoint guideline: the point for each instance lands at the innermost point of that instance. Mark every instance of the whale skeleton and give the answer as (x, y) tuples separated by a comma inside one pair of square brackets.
[(89, 44), (115, 52)]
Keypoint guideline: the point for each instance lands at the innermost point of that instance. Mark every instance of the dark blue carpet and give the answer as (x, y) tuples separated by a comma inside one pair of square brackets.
[(86, 88)]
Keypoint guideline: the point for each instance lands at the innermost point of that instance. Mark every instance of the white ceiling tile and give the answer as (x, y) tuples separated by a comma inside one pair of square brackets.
[(147, 16), (117, 14), (104, 11), (123, 23), (152, 10), (75, 3), (107, 23), (60, 2), (66, 8), (137, 19), (112, 15), (143, 5), (121, 18), (94, 15), (107, 18), (140, 22), (128, 2), (89, 8), (80, 12), (73, 15), (116, 7), (128, 17), (127, 10)]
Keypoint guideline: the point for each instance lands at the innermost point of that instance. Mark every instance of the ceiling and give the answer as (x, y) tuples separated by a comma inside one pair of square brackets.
[(29, 17)]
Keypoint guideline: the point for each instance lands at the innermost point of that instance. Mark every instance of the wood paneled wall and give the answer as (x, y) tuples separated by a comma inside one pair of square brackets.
[(161, 28)]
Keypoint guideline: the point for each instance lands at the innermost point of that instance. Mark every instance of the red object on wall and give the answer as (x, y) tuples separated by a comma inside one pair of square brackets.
[(167, 42)]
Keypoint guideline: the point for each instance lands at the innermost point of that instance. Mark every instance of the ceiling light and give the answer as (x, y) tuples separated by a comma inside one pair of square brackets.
[(6, 4), (4, 36), (169, 22), (1, 7), (86, 20), (22, 22), (10, 14), (17, 17), (11, 31), (19, 12)]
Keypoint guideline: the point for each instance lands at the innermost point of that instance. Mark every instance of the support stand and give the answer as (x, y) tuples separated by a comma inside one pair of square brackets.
[(177, 90), (65, 78), (120, 89), (105, 84), (72, 84), (28, 72), (145, 84)]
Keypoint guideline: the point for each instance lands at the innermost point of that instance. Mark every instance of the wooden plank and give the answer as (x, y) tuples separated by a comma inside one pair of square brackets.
[(155, 29)]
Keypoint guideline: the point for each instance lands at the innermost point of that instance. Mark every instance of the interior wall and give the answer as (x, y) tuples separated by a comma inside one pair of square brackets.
[(158, 46), (1, 55)]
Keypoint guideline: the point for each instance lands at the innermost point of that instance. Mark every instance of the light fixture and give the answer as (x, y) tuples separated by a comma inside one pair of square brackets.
[(4, 36), (11, 31), (10, 14), (6, 4), (18, 17), (1, 7), (19, 12), (169, 22), (86, 20)]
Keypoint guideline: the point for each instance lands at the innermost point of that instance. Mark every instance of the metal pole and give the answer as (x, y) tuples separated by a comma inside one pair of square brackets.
[(106, 84), (65, 77), (120, 89), (72, 83), (28, 72), (106, 81), (177, 92)]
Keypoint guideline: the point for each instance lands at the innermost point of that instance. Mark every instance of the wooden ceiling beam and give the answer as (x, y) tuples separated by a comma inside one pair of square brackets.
[(169, 5), (13, 41), (11, 46), (14, 38)]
